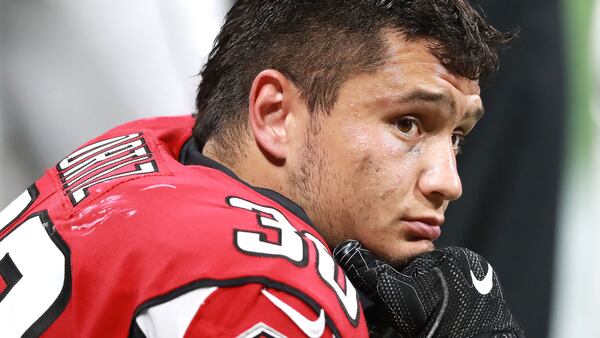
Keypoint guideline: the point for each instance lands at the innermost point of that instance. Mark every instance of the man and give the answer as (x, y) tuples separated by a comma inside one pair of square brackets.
[(354, 110)]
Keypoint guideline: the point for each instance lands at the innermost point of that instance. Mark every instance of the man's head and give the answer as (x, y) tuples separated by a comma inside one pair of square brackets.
[(353, 109)]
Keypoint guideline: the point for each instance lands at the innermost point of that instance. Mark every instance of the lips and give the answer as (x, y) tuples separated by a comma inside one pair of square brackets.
[(424, 229)]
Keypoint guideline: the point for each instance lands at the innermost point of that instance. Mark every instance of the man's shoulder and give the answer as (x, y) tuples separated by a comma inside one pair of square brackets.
[(203, 228), (129, 186), (136, 150), (140, 223)]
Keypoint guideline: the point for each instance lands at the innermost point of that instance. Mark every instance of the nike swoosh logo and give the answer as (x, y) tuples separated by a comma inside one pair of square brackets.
[(485, 285), (310, 328)]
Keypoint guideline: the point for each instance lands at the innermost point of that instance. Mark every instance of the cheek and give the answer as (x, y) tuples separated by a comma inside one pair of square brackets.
[(373, 165), (375, 143), (392, 166), (382, 178)]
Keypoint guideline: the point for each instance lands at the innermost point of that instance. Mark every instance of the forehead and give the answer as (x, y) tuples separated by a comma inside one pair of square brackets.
[(410, 76), (410, 79), (412, 63)]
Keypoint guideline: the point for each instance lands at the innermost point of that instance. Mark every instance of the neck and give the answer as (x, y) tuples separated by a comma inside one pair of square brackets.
[(252, 166)]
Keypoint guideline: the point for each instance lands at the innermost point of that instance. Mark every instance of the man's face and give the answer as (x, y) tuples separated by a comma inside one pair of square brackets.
[(381, 167)]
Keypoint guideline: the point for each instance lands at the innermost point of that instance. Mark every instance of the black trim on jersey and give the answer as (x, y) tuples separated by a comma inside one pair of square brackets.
[(59, 305), (34, 193), (191, 155), (205, 283), (135, 331), (10, 273)]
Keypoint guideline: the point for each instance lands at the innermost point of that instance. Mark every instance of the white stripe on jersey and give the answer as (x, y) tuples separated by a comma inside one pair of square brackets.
[(172, 318)]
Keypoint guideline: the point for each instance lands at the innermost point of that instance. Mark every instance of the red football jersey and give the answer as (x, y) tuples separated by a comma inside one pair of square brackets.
[(138, 234)]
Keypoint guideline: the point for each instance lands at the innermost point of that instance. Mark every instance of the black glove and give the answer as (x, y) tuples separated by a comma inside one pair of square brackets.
[(450, 292)]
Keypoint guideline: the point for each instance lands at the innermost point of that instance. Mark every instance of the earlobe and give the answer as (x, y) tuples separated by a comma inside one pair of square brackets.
[(268, 112)]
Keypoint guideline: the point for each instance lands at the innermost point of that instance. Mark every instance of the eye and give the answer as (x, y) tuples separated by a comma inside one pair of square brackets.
[(457, 142), (409, 126)]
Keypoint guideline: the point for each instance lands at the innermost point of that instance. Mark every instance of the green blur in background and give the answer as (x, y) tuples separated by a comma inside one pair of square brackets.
[(578, 16)]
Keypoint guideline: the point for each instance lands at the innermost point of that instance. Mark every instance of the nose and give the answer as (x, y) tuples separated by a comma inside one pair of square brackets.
[(440, 179)]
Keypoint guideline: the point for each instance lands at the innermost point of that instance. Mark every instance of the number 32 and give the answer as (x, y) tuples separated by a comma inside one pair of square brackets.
[(292, 246)]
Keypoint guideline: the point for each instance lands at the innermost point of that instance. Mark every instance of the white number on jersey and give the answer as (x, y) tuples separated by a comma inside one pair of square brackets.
[(289, 244), (328, 270), (292, 246), (35, 269)]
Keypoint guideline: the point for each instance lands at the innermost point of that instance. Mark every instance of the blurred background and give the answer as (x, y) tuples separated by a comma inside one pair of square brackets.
[(72, 69)]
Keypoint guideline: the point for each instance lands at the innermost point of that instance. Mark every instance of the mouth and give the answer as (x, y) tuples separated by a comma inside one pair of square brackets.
[(423, 228)]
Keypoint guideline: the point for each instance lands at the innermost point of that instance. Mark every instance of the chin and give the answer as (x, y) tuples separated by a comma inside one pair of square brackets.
[(401, 253)]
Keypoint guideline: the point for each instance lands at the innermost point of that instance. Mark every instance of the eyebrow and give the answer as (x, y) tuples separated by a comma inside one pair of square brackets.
[(427, 96)]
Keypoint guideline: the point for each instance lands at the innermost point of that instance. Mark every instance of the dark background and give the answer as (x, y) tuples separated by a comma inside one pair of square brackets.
[(510, 167)]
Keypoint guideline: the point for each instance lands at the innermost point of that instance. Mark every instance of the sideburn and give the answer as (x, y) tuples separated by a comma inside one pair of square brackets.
[(307, 182)]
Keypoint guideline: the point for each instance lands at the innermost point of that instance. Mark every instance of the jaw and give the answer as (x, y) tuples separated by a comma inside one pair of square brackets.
[(396, 249)]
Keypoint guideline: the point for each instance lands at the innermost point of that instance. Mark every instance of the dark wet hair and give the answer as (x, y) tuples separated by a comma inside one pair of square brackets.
[(319, 44)]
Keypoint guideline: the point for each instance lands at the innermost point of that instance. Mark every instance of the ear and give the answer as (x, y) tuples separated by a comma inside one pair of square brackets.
[(268, 113)]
